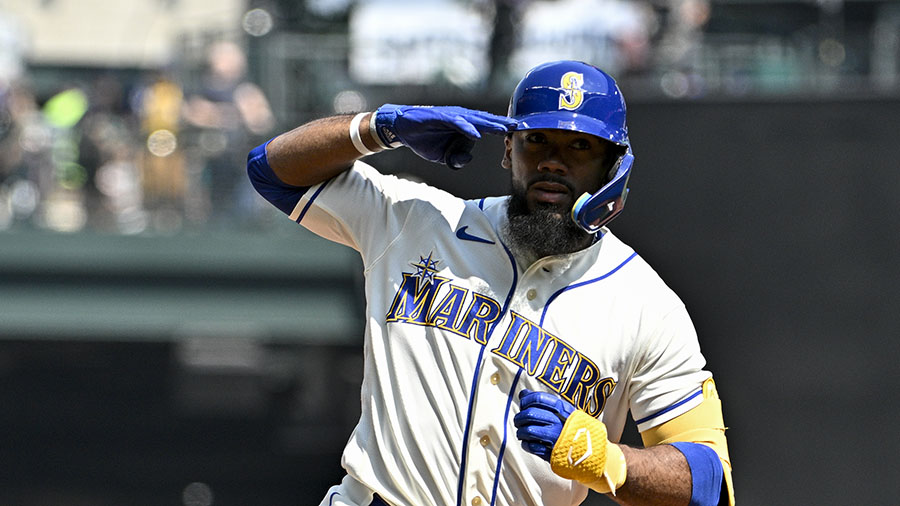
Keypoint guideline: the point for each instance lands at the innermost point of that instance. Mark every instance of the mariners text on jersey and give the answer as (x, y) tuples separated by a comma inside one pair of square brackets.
[(427, 299)]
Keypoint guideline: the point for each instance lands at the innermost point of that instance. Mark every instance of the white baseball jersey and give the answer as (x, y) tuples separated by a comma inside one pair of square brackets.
[(456, 328)]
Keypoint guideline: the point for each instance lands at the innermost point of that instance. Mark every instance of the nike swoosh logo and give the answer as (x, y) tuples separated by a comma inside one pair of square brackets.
[(465, 236)]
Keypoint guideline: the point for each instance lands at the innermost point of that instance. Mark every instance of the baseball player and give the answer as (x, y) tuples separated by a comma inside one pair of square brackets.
[(507, 337)]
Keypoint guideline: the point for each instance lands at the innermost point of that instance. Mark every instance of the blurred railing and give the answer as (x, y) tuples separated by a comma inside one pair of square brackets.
[(291, 287)]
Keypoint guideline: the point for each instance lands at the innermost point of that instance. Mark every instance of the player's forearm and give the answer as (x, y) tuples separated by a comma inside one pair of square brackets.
[(658, 475), (317, 151)]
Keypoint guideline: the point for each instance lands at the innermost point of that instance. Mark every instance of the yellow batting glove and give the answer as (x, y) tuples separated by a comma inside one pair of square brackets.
[(584, 454)]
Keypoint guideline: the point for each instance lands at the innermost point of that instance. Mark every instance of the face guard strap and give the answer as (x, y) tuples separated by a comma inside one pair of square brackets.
[(592, 212)]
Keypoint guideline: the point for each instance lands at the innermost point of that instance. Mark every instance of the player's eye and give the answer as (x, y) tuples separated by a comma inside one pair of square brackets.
[(581, 144), (536, 137)]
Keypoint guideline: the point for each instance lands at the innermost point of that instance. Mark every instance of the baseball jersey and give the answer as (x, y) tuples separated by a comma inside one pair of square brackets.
[(456, 327)]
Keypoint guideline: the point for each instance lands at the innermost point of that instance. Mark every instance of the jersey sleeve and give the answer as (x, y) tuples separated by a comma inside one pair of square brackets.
[(360, 208), (669, 376)]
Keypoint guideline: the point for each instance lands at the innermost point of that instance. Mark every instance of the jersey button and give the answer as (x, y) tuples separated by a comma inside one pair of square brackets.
[(531, 294), (476, 501), (485, 440), (495, 378)]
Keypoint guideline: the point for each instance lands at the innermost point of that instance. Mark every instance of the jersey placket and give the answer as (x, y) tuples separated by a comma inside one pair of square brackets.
[(497, 395)]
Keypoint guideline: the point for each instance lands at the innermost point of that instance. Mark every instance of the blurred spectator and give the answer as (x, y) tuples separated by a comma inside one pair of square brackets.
[(163, 167), (684, 33), (681, 47), (61, 182), (108, 139), (11, 103), (86, 156), (230, 115), (23, 142), (12, 48), (614, 34)]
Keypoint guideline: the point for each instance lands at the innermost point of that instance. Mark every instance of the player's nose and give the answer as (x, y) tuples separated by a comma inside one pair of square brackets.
[(552, 162)]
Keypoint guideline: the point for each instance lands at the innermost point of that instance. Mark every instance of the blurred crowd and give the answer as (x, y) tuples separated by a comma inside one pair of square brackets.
[(165, 150), (154, 155)]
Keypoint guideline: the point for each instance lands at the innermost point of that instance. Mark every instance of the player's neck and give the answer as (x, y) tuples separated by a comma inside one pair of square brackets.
[(526, 254)]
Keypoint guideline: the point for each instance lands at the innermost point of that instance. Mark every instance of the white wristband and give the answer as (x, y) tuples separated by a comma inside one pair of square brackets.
[(354, 135)]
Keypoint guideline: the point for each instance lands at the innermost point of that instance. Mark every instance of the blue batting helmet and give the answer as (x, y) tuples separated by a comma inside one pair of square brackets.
[(572, 95)]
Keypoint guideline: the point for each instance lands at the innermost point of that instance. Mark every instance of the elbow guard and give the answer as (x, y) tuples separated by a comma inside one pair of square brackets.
[(703, 427)]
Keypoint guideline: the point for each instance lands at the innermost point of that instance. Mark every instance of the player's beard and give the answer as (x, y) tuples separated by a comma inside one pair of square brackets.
[(546, 230)]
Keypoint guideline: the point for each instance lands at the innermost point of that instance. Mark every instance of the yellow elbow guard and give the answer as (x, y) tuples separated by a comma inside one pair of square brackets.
[(583, 453), (702, 424)]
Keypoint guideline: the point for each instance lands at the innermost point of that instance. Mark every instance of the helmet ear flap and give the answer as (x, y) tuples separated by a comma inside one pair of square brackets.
[(592, 211)]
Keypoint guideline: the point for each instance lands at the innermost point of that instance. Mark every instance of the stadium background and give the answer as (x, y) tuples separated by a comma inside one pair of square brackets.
[(161, 344)]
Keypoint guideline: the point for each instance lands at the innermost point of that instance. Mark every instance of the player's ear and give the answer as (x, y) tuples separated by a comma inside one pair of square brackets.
[(506, 163)]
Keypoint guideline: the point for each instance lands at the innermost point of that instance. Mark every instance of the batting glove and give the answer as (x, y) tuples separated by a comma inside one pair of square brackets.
[(540, 421), (442, 134), (572, 441)]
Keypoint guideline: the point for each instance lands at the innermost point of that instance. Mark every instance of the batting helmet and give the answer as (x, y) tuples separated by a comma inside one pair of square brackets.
[(572, 95)]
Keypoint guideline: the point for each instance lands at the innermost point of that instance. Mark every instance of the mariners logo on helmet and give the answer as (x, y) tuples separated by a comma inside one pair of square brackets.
[(572, 94)]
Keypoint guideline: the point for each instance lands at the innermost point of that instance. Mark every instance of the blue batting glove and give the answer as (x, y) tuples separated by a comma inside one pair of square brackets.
[(442, 134), (540, 421)]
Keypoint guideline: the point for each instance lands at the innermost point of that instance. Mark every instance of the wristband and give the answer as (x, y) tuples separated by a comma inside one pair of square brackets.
[(356, 139), (706, 473)]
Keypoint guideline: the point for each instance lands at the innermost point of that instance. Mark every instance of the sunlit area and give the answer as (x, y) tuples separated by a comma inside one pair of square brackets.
[(169, 337)]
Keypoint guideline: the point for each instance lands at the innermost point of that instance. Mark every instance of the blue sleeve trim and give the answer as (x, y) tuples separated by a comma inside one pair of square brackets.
[(280, 194), (670, 408), (312, 199), (706, 473)]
